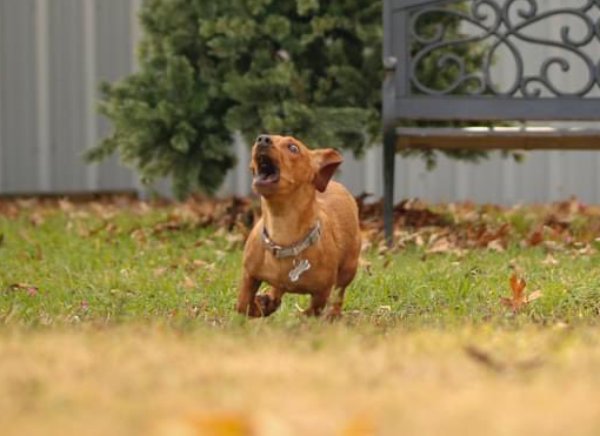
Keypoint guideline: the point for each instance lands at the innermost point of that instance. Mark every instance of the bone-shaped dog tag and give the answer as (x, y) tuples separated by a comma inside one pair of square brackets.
[(299, 269)]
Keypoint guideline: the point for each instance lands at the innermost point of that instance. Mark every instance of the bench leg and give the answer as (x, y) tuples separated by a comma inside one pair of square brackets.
[(389, 164)]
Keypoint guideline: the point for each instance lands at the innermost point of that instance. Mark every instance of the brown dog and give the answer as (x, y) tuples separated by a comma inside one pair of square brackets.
[(308, 239)]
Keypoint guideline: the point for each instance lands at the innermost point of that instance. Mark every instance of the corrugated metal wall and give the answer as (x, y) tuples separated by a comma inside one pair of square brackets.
[(54, 53)]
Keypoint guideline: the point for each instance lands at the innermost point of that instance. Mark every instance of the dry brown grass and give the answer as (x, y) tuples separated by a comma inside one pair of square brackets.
[(331, 381)]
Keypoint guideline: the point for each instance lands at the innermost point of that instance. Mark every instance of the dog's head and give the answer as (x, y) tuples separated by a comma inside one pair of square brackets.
[(281, 164)]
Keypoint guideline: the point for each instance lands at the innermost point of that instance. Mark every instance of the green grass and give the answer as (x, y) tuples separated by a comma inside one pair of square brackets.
[(121, 321), (88, 269)]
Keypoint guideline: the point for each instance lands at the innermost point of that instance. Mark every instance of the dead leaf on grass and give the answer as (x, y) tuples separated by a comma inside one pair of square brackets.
[(536, 238), (189, 283), (384, 310), (440, 245), (160, 271), (387, 262), (587, 250), (496, 245), (36, 218), (234, 241), (518, 299), (139, 236), (419, 242), (534, 296), (103, 210), (65, 205), (550, 260), (363, 263), (30, 290)]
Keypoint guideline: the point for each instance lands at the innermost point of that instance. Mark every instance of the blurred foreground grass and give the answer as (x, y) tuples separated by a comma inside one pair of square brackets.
[(120, 321)]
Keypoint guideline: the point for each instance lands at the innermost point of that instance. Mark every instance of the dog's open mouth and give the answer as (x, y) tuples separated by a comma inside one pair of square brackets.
[(267, 171)]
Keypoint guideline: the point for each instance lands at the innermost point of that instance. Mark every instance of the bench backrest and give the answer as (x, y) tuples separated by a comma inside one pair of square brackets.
[(547, 51)]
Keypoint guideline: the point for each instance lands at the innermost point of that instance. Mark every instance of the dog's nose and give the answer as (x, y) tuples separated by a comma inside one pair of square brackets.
[(263, 142)]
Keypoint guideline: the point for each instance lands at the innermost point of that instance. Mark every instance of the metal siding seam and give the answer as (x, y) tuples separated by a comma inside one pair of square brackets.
[(463, 176), (91, 129), (372, 171), (1, 97), (597, 179), (508, 180), (43, 96), (135, 32), (554, 183), (242, 174)]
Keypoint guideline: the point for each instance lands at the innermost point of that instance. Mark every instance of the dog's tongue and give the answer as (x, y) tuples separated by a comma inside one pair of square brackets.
[(265, 178), (267, 172)]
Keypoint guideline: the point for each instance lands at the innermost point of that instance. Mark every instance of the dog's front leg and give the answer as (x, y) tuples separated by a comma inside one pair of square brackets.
[(318, 301), (337, 300), (246, 304)]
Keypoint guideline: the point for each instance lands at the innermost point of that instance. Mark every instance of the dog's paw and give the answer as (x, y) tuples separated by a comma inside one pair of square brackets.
[(266, 304), (333, 315)]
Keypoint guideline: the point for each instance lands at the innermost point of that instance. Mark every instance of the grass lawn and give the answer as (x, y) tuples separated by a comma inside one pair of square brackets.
[(119, 320)]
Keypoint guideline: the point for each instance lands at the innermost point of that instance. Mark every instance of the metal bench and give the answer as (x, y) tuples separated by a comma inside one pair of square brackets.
[(549, 57)]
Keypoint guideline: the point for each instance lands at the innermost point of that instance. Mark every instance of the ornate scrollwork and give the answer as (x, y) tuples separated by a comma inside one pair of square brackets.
[(503, 24)]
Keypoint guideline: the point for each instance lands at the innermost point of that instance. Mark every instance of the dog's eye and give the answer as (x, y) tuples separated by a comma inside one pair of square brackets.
[(293, 148)]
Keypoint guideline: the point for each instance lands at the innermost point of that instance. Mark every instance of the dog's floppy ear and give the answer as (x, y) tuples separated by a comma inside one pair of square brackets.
[(326, 161)]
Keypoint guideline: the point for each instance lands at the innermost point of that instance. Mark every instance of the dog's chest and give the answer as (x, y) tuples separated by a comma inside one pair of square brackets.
[(299, 274)]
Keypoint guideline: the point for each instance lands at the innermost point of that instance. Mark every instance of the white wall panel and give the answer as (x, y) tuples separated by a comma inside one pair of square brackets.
[(54, 54)]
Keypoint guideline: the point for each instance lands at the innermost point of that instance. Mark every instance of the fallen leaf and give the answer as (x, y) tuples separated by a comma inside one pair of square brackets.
[(159, 271), (496, 245), (199, 263), (586, 251), (65, 205), (139, 236), (536, 238), (36, 219), (550, 260), (441, 245), (518, 298), (382, 249), (234, 238), (29, 289), (419, 241), (534, 296), (363, 263), (517, 269), (189, 283)]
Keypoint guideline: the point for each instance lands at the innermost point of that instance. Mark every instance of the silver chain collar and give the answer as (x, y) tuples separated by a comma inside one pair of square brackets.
[(293, 250)]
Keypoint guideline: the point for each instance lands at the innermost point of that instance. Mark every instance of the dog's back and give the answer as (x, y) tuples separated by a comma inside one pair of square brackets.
[(342, 212)]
